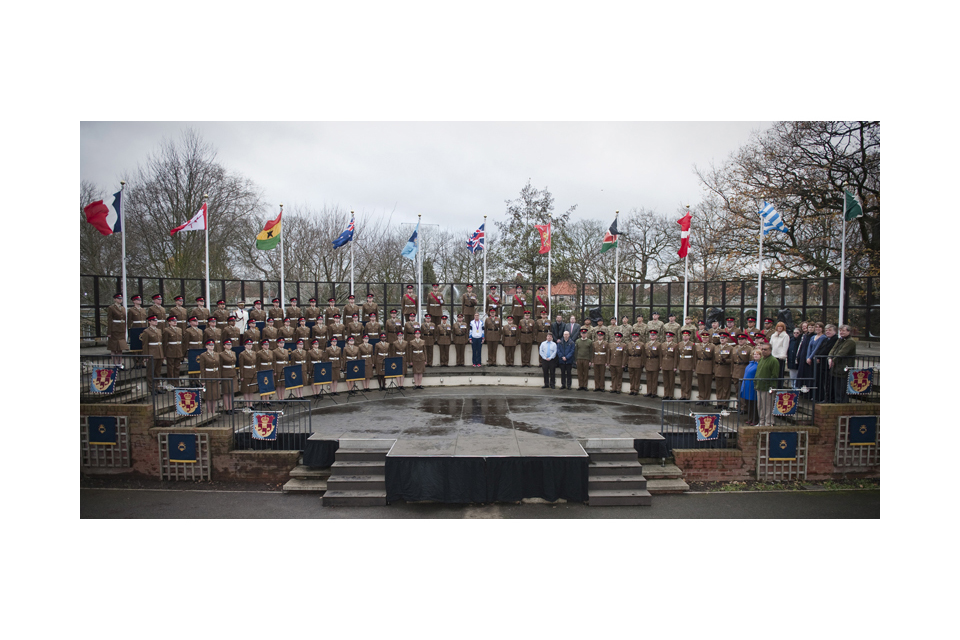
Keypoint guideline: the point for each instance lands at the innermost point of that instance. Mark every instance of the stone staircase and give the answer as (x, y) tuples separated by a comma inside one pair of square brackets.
[(663, 479), (615, 476), (357, 477), (304, 479)]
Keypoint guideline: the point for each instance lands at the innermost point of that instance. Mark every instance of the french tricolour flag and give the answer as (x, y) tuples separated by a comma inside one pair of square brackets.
[(105, 214)]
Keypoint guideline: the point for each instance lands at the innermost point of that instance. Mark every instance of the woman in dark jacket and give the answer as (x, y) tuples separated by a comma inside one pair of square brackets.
[(821, 370), (804, 370), (792, 349)]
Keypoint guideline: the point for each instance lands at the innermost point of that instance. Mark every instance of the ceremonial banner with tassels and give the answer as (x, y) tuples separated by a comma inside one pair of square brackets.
[(193, 360), (859, 381), (103, 379), (708, 426), (265, 382), (102, 430), (785, 403), (294, 376), (783, 445), (356, 370), (182, 447), (322, 373), (187, 401), (265, 425), (862, 430), (393, 367)]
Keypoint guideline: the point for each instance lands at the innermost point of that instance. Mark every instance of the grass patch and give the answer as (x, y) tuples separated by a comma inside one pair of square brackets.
[(754, 485)]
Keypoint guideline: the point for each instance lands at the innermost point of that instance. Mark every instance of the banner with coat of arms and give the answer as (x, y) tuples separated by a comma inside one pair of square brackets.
[(708, 426), (104, 379), (859, 381), (265, 425), (187, 401), (785, 403)]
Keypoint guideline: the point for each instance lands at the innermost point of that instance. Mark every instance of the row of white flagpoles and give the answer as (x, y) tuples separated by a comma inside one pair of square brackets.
[(769, 220)]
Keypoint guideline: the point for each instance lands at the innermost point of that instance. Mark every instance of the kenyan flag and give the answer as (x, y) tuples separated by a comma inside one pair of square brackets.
[(270, 236), (610, 237)]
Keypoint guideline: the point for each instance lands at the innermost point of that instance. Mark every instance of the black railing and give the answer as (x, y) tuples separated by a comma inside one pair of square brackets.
[(804, 400), (678, 424), (294, 427), (816, 299), (832, 379), (129, 386), (165, 402)]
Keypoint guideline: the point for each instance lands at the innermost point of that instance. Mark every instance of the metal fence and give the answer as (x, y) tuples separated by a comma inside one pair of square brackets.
[(129, 383), (679, 429), (165, 412), (294, 427), (834, 388), (789, 416), (816, 299)]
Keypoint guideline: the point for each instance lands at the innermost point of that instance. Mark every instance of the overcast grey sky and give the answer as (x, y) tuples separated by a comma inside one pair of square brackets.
[(451, 172)]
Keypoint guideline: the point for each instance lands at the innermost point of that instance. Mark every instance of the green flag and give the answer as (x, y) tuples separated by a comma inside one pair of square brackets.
[(610, 238), (853, 208)]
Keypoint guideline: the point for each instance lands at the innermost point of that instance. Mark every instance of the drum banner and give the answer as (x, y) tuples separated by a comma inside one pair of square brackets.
[(265, 425), (859, 381), (783, 445), (187, 401), (182, 447), (862, 430), (786, 403), (708, 426), (265, 382), (102, 430), (293, 375), (103, 379)]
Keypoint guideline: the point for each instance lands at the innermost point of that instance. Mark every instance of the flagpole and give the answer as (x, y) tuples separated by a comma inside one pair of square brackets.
[(206, 235), (351, 255), (483, 290), (843, 252), (760, 276), (549, 269), (123, 248), (282, 283), (419, 270), (685, 287), (616, 273)]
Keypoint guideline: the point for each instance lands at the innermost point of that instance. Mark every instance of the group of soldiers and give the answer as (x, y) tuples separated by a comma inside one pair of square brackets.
[(311, 334)]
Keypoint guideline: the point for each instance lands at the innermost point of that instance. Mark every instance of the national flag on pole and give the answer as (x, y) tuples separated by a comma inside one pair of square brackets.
[(684, 223), (344, 237), (610, 237), (105, 214), (270, 236), (475, 242), (771, 219), (197, 223), (544, 230), (410, 251), (852, 207)]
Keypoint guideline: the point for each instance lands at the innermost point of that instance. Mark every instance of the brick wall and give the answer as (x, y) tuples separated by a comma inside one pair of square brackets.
[(260, 466), (725, 465)]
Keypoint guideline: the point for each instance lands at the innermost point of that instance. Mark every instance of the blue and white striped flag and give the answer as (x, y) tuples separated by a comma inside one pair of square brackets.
[(771, 219)]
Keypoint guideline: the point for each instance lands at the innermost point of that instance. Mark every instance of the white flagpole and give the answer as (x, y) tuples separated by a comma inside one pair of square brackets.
[(282, 283), (483, 290), (352, 240), (685, 288), (123, 248), (420, 269), (843, 252), (549, 270), (760, 276), (206, 234), (616, 273)]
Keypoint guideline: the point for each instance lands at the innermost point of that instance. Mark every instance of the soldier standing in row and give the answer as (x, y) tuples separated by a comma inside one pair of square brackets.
[(336, 330), (117, 328), (418, 358), (314, 357), (461, 331), (399, 348), (372, 327), (599, 361), (285, 334), (428, 332), (298, 356), (152, 340), (392, 325), (371, 307), (281, 358), (201, 310), (584, 353), (434, 305), (469, 303), (247, 363), (669, 358), (510, 341), (221, 314), (157, 308), (350, 353), (409, 304), (443, 340), (275, 314), (179, 310), (269, 333), (320, 332), (651, 355), (672, 326), (635, 361), (519, 303), (704, 370), (332, 355), (540, 302), (311, 313), (265, 356), (493, 300), (136, 315), (210, 370), (228, 371), (742, 355), (380, 353), (293, 312), (330, 311), (302, 332), (616, 360), (257, 314), (172, 347), (492, 331), (527, 329), (350, 309), (192, 339), (409, 329), (722, 363), (686, 363), (655, 323)]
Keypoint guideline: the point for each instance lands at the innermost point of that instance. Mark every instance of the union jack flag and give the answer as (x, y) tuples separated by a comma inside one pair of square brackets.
[(475, 243)]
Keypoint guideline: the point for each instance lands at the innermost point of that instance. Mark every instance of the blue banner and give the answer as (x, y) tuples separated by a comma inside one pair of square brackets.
[(260, 324), (393, 367), (182, 447), (193, 360), (103, 379), (293, 375), (862, 430), (785, 403), (187, 401), (265, 425), (356, 370), (136, 344), (708, 426), (102, 430), (323, 373), (783, 445), (265, 382), (859, 381)]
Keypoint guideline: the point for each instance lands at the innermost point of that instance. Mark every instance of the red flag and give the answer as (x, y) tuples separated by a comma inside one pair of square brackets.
[(684, 223), (544, 230)]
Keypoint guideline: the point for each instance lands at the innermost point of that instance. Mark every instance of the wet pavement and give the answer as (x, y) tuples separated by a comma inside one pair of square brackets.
[(486, 421)]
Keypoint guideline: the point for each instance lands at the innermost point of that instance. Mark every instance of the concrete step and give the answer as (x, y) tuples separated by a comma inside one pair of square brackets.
[(357, 468), (619, 498), (305, 485), (656, 461), (357, 483), (667, 485), (354, 499), (303, 472), (612, 455), (652, 471), (608, 483), (360, 455), (615, 469)]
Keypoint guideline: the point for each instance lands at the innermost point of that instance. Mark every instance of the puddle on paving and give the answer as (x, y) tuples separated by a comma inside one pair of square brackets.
[(543, 431), (430, 431)]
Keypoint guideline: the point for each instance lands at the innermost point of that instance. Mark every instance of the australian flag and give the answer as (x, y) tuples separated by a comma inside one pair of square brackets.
[(344, 237), (475, 243)]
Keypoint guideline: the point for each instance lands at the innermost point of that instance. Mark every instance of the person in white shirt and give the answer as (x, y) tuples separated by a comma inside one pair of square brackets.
[(476, 339), (779, 342), (548, 360), (241, 314)]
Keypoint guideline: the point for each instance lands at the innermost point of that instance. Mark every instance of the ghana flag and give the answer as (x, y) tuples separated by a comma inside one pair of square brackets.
[(270, 236)]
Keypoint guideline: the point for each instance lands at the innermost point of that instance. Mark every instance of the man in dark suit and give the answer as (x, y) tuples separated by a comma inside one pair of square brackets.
[(572, 327), (557, 328)]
